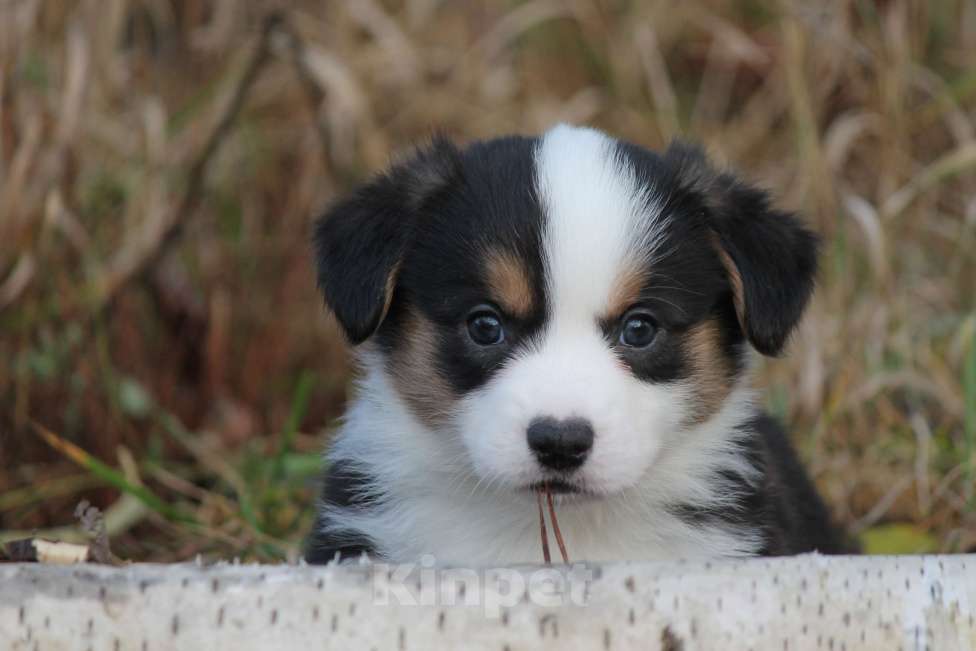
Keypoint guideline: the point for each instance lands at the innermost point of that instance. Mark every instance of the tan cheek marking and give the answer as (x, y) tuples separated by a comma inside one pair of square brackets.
[(626, 291), (412, 366), (509, 283), (711, 371)]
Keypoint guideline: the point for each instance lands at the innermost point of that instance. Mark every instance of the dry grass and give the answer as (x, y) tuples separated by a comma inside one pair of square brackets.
[(174, 343)]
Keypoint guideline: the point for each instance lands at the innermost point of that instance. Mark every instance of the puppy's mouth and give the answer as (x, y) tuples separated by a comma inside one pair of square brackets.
[(556, 486)]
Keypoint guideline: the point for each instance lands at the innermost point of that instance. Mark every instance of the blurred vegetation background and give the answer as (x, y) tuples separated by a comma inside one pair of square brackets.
[(164, 352)]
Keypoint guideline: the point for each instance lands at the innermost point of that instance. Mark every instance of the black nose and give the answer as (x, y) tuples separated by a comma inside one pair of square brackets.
[(560, 444)]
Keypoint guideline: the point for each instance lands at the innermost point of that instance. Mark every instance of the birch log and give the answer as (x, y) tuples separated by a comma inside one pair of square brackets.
[(805, 602)]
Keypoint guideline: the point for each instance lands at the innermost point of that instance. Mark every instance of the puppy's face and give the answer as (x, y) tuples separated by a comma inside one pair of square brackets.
[(567, 306)]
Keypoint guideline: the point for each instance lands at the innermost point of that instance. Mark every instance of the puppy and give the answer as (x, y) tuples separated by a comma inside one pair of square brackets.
[(569, 311)]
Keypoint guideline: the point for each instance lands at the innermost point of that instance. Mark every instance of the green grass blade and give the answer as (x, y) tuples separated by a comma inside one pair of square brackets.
[(299, 407), (111, 476)]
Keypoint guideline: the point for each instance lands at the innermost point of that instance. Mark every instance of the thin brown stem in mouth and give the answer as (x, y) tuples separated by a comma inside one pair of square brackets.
[(542, 528), (555, 526)]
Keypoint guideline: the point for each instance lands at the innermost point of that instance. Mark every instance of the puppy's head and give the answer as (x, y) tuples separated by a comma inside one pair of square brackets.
[(568, 306)]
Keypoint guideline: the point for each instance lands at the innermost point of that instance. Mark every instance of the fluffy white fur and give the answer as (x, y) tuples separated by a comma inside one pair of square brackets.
[(458, 493), (434, 502)]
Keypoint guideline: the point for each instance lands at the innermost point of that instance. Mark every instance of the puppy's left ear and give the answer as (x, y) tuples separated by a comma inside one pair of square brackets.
[(360, 241), (769, 256)]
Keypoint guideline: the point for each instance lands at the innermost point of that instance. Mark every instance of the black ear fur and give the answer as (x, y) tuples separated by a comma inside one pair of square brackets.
[(361, 240), (769, 255)]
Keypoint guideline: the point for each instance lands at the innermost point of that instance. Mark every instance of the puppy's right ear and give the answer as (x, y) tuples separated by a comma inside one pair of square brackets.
[(360, 242)]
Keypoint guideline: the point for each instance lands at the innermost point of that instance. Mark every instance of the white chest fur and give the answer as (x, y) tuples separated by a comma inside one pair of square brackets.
[(429, 501)]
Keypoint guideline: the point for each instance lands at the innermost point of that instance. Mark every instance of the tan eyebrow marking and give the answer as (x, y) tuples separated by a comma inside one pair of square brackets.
[(508, 281), (625, 291)]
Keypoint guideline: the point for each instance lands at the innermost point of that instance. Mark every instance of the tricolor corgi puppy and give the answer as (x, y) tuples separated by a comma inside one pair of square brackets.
[(573, 312)]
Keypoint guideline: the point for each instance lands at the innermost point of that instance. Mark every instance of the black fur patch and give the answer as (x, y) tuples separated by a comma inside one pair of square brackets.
[(344, 487), (441, 270), (360, 242), (782, 505), (774, 254)]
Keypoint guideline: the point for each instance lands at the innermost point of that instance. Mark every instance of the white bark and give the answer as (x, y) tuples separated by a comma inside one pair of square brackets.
[(806, 602)]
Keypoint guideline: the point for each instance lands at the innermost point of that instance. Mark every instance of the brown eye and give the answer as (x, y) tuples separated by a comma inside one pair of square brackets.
[(638, 331), (485, 328)]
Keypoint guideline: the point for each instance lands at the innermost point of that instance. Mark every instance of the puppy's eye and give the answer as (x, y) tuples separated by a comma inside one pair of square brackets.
[(638, 331), (485, 328)]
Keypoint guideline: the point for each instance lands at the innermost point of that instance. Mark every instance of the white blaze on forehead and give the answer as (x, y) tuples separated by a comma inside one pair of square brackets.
[(599, 219)]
